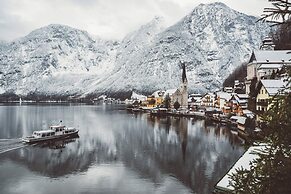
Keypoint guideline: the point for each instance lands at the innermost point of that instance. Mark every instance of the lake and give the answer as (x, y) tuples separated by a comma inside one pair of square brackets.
[(116, 152)]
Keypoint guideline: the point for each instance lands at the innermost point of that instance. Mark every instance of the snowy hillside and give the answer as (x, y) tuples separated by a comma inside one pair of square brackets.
[(213, 39), (55, 59), (59, 60)]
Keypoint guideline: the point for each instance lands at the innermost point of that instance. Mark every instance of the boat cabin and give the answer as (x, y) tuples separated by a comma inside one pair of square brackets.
[(57, 128), (43, 133)]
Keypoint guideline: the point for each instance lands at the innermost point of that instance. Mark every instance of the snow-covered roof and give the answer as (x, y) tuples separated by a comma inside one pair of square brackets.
[(209, 94), (243, 96), (272, 86), (239, 119), (270, 66), (158, 93), (271, 56), (136, 96), (195, 95), (224, 95), (170, 92), (248, 113)]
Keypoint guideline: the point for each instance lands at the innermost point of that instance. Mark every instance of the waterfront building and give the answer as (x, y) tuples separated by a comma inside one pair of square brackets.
[(239, 103), (208, 100), (264, 63), (194, 100), (156, 99), (222, 102), (267, 89)]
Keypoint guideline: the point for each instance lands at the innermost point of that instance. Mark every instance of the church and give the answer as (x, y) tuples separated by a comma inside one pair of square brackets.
[(181, 94)]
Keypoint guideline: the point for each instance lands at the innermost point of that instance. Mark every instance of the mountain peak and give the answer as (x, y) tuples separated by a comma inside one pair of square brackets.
[(215, 4), (54, 29)]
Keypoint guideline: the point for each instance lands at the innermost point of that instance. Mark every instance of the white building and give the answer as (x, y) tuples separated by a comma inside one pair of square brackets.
[(222, 99), (264, 62), (208, 100), (181, 94), (194, 100)]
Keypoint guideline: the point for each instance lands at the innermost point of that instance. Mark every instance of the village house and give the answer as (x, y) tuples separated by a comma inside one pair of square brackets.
[(194, 100), (264, 63), (222, 102), (239, 103), (156, 99), (239, 87), (208, 100), (267, 89), (240, 122)]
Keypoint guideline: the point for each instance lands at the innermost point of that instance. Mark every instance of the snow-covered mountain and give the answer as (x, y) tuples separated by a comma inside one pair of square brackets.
[(58, 60), (55, 59)]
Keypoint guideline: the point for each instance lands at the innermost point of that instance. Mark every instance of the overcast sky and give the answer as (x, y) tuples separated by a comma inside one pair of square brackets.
[(111, 19)]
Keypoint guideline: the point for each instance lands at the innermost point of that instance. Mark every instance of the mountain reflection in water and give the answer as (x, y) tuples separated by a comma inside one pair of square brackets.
[(133, 153)]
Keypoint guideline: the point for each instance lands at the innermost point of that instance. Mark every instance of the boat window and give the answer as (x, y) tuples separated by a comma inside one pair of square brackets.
[(42, 135), (53, 133), (57, 129)]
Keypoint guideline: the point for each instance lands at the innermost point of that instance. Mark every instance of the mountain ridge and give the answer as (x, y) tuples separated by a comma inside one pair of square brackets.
[(59, 60)]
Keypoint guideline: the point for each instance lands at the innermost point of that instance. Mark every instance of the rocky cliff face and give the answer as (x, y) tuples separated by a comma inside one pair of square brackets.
[(58, 60)]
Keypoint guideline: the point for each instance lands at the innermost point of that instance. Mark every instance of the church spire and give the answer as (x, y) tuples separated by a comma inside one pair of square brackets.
[(184, 78)]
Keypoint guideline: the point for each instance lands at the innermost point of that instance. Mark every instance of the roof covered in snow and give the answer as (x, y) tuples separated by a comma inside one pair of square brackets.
[(239, 119), (270, 66), (158, 93), (136, 96), (271, 56), (224, 95), (243, 96), (170, 92), (272, 86)]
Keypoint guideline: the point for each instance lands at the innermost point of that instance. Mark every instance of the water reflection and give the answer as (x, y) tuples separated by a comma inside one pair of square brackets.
[(188, 153)]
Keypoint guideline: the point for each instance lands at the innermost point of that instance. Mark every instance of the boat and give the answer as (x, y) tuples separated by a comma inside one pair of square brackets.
[(54, 132)]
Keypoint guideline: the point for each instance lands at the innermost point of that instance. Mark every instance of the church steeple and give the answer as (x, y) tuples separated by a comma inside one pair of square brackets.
[(184, 77)]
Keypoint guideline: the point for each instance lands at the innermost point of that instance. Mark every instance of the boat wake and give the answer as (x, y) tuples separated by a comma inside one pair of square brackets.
[(7, 145)]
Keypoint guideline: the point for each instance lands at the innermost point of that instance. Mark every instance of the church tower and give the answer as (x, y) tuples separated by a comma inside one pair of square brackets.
[(184, 88)]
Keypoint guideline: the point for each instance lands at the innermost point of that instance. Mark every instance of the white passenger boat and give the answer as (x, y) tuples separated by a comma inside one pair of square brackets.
[(54, 132)]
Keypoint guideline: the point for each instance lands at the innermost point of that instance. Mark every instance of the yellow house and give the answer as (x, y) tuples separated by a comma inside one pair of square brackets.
[(267, 89), (151, 101), (156, 99)]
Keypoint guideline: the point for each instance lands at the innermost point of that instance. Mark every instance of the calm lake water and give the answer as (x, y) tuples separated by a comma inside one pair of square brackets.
[(116, 152)]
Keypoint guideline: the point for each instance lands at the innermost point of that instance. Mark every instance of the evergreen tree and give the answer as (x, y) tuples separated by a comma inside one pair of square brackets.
[(280, 17), (177, 105), (167, 101)]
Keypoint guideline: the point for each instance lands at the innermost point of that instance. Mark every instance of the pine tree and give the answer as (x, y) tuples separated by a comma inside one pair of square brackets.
[(167, 101), (177, 105), (280, 17)]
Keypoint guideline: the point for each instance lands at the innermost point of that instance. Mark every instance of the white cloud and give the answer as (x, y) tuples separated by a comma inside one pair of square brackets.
[(106, 18)]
